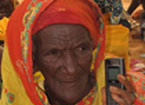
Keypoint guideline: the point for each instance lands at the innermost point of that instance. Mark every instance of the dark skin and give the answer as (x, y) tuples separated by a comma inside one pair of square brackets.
[(123, 97), (60, 57), (63, 53)]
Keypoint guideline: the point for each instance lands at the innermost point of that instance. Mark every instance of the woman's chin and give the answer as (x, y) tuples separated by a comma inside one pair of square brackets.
[(70, 98), (70, 93)]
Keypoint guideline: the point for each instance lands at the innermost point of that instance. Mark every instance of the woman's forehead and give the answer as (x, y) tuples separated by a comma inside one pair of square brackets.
[(63, 32)]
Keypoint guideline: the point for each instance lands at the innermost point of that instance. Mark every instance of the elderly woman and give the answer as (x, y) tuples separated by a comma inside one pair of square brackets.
[(57, 38)]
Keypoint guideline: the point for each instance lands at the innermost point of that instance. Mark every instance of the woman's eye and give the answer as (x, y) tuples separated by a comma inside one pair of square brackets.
[(83, 48), (53, 52)]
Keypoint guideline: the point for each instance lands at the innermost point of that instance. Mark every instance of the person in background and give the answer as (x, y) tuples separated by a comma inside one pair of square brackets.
[(118, 15), (6, 8), (63, 42), (134, 4), (142, 26)]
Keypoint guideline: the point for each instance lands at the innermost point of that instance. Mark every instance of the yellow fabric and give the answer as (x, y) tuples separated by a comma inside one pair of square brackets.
[(12, 84), (101, 83), (117, 41), (39, 79), (3, 26)]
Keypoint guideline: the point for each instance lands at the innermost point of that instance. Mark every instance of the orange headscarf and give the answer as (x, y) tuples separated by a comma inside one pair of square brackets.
[(33, 15), (62, 12)]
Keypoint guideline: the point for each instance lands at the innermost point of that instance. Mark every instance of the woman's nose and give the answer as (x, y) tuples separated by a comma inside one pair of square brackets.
[(70, 63)]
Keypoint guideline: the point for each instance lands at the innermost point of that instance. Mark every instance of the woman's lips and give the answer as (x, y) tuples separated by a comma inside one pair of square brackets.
[(69, 79), (70, 84)]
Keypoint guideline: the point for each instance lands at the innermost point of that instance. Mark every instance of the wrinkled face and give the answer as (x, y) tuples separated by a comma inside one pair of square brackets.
[(64, 55)]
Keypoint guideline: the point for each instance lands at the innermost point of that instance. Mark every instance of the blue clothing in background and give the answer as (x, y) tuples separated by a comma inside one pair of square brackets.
[(114, 6)]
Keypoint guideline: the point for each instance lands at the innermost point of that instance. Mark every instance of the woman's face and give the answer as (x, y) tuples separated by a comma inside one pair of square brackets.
[(64, 55)]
